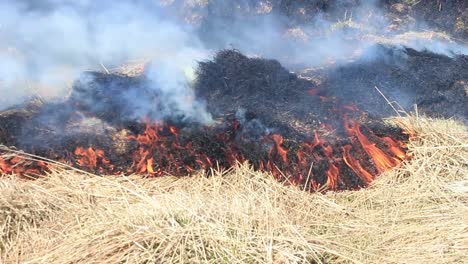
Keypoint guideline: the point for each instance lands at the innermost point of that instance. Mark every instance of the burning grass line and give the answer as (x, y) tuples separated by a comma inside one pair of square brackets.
[(33, 157)]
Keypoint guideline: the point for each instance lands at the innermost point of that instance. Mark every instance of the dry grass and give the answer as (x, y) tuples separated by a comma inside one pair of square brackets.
[(414, 214)]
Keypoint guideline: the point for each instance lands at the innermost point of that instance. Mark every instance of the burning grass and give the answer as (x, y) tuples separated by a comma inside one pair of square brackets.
[(260, 112), (415, 213)]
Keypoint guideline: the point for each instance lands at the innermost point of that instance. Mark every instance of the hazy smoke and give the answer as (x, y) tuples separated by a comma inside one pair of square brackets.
[(45, 44), (43, 40), (321, 40)]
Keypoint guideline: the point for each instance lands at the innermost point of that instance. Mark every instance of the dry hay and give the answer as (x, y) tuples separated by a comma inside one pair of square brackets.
[(413, 214)]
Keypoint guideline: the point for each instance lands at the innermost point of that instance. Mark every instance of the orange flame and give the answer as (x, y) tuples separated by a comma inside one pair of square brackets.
[(382, 161), (282, 152), (4, 167), (396, 147), (332, 176), (20, 166), (356, 166), (90, 158)]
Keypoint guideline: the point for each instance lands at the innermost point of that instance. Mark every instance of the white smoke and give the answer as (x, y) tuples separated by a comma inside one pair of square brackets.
[(45, 44), (44, 39)]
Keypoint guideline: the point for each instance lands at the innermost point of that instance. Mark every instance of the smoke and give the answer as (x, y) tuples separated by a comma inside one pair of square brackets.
[(336, 31), (45, 39), (46, 44)]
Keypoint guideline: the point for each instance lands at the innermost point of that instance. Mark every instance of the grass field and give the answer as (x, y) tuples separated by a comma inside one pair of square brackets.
[(416, 213)]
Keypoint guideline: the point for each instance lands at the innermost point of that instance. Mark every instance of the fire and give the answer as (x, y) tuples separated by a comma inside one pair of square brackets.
[(303, 134), (149, 166), (382, 161), (160, 151), (396, 147), (21, 166), (322, 162), (310, 153), (332, 176), (92, 159), (4, 167), (356, 166), (282, 152)]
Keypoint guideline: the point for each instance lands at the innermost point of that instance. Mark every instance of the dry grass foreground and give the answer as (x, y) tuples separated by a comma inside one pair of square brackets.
[(414, 214)]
